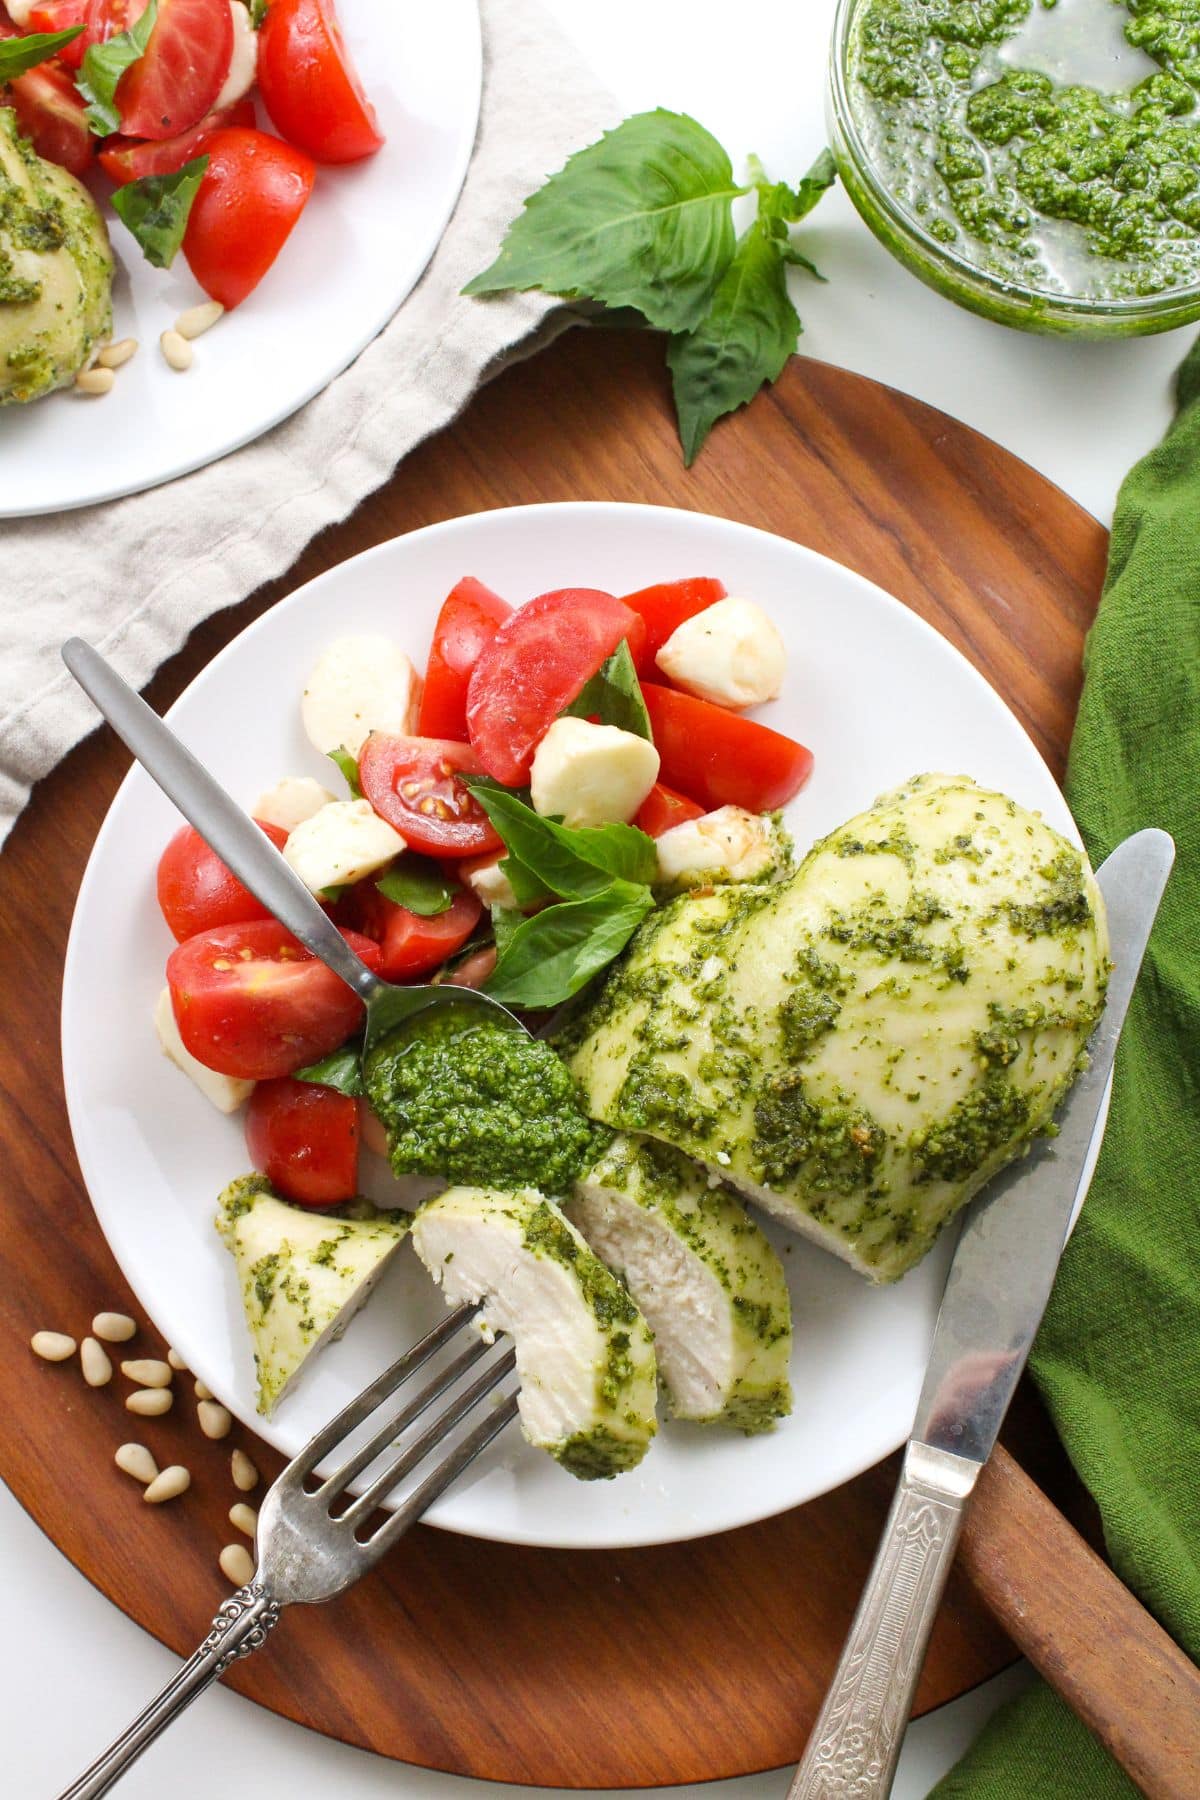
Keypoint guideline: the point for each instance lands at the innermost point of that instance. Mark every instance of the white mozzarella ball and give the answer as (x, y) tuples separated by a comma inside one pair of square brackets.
[(291, 801), (243, 64), (730, 653), (489, 883), (359, 685), (19, 11), (224, 1091), (343, 842), (738, 843), (591, 774)]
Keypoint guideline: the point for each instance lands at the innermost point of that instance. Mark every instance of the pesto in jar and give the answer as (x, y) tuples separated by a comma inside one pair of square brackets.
[(1054, 144)]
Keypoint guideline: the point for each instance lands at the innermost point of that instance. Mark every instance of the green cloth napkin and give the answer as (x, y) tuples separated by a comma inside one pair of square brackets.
[(1118, 1356)]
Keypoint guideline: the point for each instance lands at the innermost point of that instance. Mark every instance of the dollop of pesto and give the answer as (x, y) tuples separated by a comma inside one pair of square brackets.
[(981, 119), (481, 1105)]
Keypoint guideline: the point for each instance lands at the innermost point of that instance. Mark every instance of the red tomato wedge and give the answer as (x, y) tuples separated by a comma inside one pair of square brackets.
[(197, 892), (128, 159), (662, 808), (413, 783), (60, 15), (534, 667), (253, 1003), (304, 1139), (177, 79), (720, 758), (310, 86), (253, 192), (470, 617), (665, 607), (51, 115), (411, 945)]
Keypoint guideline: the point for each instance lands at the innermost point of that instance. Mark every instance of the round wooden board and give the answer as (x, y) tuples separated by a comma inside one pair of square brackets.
[(635, 1668)]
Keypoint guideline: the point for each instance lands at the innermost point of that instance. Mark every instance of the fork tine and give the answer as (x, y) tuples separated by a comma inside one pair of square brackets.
[(340, 1480), (353, 1415), (433, 1434), (439, 1479)]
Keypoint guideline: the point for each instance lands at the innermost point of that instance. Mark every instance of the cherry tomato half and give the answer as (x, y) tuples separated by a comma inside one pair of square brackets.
[(534, 667), (197, 892), (665, 607), (60, 15), (470, 617), (52, 116), (253, 192), (304, 1139), (310, 86), (720, 758), (253, 1003), (127, 159), (413, 783), (662, 808), (182, 70), (410, 944)]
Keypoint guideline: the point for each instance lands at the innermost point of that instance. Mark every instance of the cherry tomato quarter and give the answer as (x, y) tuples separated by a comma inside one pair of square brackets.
[(304, 1138), (414, 783), (197, 892), (52, 115), (720, 758), (665, 607), (662, 808), (128, 159), (182, 70), (60, 15), (310, 86), (253, 192), (470, 617), (412, 945)]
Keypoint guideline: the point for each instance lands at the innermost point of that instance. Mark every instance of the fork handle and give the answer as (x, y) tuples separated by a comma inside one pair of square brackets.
[(241, 1625)]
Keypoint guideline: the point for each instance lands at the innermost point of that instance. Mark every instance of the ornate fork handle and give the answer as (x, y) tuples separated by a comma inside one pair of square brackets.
[(241, 1625), (855, 1743)]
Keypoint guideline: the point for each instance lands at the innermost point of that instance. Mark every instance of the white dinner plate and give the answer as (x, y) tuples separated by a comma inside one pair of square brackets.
[(875, 692), (359, 248)]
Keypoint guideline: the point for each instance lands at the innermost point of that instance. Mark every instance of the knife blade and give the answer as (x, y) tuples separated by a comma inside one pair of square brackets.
[(995, 1295)]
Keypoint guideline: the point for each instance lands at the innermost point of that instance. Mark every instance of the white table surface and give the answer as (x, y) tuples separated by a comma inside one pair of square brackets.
[(73, 1669)]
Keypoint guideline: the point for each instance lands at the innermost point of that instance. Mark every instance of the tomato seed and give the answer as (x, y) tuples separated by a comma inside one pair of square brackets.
[(223, 964)]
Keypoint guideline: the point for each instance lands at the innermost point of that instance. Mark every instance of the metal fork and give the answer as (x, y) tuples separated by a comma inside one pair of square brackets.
[(307, 1553)]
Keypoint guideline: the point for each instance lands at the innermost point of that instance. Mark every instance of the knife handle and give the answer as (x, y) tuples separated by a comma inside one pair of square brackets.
[(855, 1744)]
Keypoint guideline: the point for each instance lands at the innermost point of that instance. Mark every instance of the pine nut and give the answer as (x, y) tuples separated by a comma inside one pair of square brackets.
[(95, 381), (176, 1361), (216, 1421), (245, 1475), (115, 356), (198, 319), (169, 1485), (237, 1564), (136, 1460), (202, 1391), (176, 350), (244, 1518), (150, 1403), (52, 1346), (114, 1328), (147, 1371), (97, 1370)]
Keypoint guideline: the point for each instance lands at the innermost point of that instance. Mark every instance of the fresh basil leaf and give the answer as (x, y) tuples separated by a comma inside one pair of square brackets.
[(575, 862), (18, 54), (640, 219), (341, 1070), (418, 884), (614, 696), (157, 208), (333, 894), (779, 202), (349, 767), (103, 67), (258, 13), (505, 923), (523, 882), (750, 332), (551, 956)]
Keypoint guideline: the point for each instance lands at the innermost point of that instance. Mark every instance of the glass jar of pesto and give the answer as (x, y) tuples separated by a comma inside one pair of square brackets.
[(1036, 160)]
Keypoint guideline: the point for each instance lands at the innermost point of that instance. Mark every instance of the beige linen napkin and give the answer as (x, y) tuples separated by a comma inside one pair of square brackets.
[(136, 575)]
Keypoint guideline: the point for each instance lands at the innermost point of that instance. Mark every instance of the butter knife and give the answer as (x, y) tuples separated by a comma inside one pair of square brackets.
[(996, 1293)]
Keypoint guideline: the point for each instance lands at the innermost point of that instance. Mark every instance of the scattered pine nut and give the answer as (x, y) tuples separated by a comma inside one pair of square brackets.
[(147, 1371), (136, 1460), (95, 381), (237, 1564), (177, 351), (245, 1475), (93, 1358), (216, 1420), (244, 1518), (150, 1403), (202, 1390), (114, 1328), (176, 1361), (52, 1346), (198, 319), (169, 1485), (115, 356)]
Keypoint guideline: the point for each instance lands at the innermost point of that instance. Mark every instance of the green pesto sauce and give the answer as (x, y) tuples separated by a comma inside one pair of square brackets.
[(599, 1454), (1053, 145), (480, 1104)]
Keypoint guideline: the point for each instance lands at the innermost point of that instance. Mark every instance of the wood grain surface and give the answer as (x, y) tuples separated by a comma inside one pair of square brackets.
[(615, 1669)]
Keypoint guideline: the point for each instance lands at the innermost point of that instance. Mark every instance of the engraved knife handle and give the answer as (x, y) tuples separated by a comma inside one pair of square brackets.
[(855, 1743)]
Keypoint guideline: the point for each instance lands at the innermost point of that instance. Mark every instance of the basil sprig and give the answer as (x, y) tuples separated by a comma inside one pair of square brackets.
[(614, 696), (156, 209), (103, 67), (553, 954), (572, 861), (18, 54), (417, 884)]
